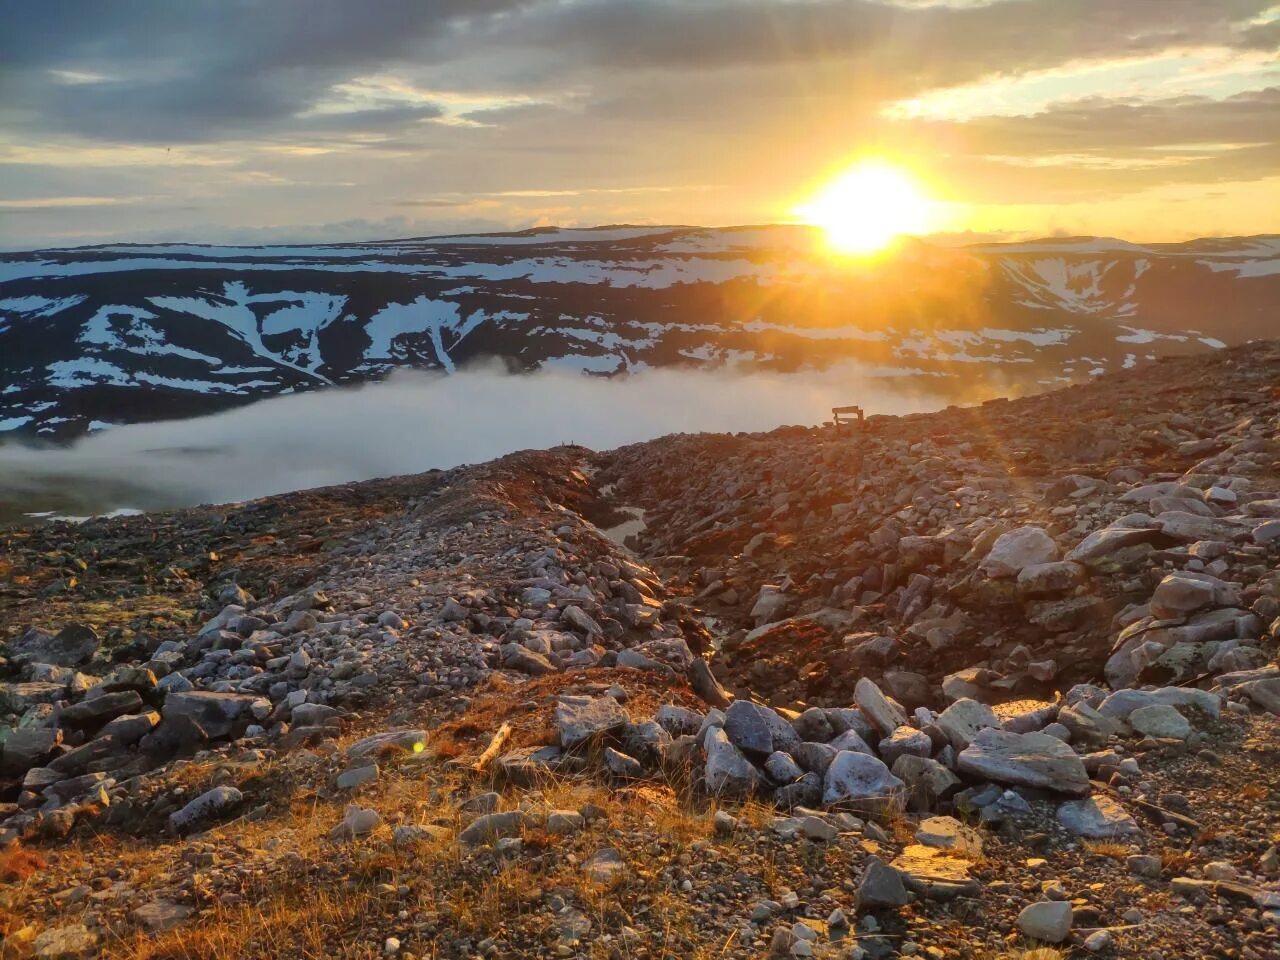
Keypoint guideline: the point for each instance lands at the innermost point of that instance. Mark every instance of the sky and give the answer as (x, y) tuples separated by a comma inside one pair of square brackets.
[(310, 120)]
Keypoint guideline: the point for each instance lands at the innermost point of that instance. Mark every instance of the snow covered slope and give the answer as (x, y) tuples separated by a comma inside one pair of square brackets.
[(98, 335)]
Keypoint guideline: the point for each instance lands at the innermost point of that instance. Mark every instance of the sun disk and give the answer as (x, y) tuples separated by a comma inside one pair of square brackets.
[(864, 209)]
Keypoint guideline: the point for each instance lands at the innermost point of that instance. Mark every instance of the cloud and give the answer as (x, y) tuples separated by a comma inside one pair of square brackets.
[(264, 109)]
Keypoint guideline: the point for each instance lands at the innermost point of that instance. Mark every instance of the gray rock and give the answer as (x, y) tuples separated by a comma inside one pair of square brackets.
[(623, 766), (161, 915), (928, 781), (20, 750), (75, 942), (493, 826), (883, 713), (1123, 702), (213, 803), (1024, 759), (1179, 594), (356, 822), (813, 725), (1160, 720), (71, 646), (20, 697), (678, 721), (851, 740), (727, 772), (1023, 547), (881, 886), (580, 719), (218, 714), (389, 741), (1097, 817), (935, 874), (357, 776), (1049, 920), (843, 719), (90, 714), (815, 757), (856, 778), (903, 742), (754, 728), (963, 719), (782, 768)]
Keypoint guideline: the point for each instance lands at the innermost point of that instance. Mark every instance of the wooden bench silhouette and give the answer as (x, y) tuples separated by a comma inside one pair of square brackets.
[(850, 415)]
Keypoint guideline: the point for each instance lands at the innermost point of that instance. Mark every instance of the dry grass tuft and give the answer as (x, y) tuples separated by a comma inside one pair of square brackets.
[(18, 865), (1175, 861), (1107, 848), (1033, 953), (303, 921)]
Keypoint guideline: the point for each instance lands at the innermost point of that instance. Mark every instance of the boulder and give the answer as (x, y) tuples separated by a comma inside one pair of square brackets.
[(208, 805), (71, 646), (579, 719), (1097, 817), (493, 826), (905, 741), (357, 821), (1049, 920), (1024, 759), (1160, 720), (1178, 595), (928, 781), (389, 741), (91, 714), (755, 729), (22, 749), (880, 886), (1018, 549), (883, 713), (963, 719), (1049, 579), (218, 714), (859, 779), (727, 772)]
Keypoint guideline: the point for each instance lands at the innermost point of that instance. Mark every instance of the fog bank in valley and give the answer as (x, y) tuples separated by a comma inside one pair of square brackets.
[(416, 421)]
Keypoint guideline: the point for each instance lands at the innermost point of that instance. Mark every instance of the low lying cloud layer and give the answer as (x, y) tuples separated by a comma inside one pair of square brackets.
[(415, 422)]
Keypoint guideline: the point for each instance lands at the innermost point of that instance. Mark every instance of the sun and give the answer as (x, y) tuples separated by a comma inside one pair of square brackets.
[(864, 209)]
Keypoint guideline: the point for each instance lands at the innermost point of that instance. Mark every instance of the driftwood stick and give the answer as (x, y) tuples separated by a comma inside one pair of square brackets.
[(493, 749)]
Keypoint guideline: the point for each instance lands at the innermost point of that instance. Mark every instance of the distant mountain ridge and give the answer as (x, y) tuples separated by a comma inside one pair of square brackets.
[(120, 333)]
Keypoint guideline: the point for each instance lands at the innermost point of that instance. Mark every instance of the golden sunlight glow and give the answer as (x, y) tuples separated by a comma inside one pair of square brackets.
[(864, 209)]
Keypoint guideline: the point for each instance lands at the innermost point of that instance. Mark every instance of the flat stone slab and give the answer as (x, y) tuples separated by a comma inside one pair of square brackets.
[(1097, 818), (1026, 760), (935, 874)]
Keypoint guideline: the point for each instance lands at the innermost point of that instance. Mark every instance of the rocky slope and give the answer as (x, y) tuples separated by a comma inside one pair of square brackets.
[(954, 685), (100, 335)]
